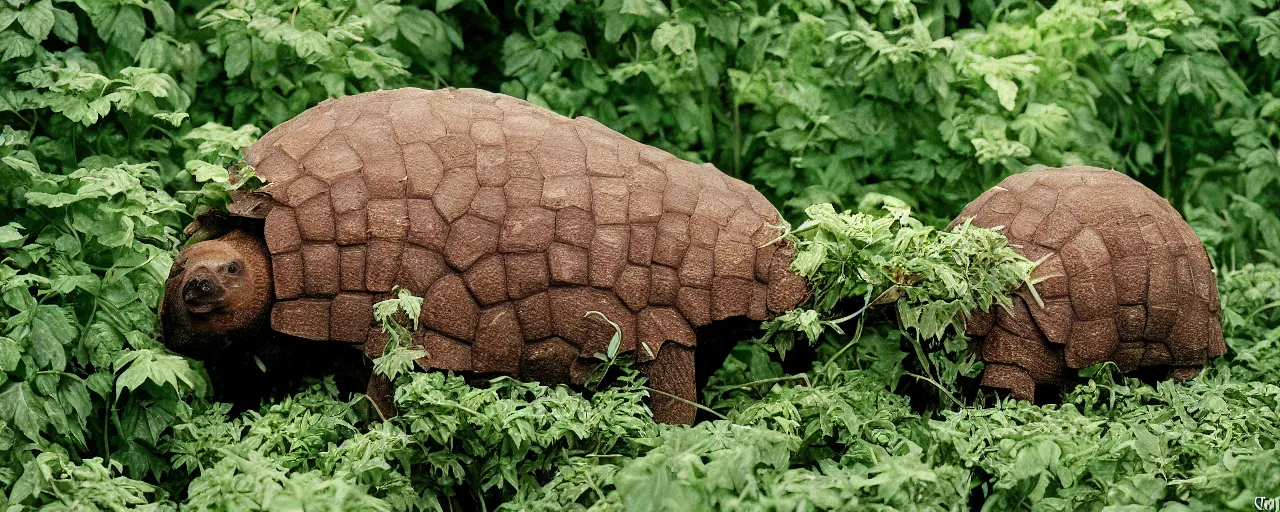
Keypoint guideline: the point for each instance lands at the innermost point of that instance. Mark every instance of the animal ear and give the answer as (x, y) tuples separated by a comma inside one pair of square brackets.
[(215, 223)]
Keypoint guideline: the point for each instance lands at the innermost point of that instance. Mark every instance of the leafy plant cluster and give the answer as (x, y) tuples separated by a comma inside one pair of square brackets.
[(119, 120), (932, 278)]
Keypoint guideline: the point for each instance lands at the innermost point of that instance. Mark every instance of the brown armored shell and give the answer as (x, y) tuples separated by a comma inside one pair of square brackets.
[(1123, 279), (512, 222)]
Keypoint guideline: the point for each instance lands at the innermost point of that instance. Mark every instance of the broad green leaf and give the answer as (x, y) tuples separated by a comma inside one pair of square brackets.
[(678, 37), (37, 19), (14, 46), (1005, 89), (237, 55), (7, 17), (10, 235), (21, 407), (140, 366), (126, 29), (51, 328), (10, 354)]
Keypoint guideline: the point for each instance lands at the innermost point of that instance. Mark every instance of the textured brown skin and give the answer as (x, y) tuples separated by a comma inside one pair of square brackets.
[(1124, 279), (512, 222)]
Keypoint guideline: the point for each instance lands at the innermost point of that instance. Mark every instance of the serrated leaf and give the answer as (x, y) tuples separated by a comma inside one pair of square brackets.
[(1006, 90), (146, 421), (173, 118), (676, 36), (14, 46), (397, 361), (204, 171), (140, 366), (22, 407), (51, 328), (37, 19)]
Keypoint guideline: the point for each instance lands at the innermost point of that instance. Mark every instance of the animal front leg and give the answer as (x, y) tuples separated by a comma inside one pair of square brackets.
[(672, 373)]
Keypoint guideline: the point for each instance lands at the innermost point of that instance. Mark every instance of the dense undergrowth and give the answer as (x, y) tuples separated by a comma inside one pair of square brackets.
[(118, 119)]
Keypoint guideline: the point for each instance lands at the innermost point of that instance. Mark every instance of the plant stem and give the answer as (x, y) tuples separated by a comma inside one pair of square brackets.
[(688, 402), (939, 386), (857, 335), (761, 381)]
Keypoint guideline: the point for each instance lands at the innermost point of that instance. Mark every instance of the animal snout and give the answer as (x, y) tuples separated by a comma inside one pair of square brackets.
[(202, 295)]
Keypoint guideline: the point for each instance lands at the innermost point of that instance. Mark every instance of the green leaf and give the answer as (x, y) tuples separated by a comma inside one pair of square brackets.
[(237, 55), (1268, 30), (644, 8), (611, 350), (677, 36), (14, 46), (22, 407), (11, 235), (146, 420), (65, 26), (204, 171), (7, 17), (140, 366), (162, 12), (10, 354), (125, 30), (1005, 89), (37, 19), (51, 328), (173, 118), (22, 164), (397, 361)]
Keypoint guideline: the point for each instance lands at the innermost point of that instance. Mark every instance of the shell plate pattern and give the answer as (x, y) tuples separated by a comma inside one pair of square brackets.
[(512, 222), (1124, 279)]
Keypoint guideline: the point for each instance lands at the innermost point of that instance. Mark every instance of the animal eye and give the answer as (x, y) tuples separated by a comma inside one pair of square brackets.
[(233, 268)]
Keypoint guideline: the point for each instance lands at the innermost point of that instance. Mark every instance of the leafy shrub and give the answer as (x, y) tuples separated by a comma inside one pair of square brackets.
[(118, 121)]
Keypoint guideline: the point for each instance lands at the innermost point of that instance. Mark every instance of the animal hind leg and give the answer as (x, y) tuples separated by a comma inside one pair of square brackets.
[(672, 373), (380, 394)]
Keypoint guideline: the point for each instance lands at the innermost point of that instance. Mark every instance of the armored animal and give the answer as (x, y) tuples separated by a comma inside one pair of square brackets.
[(1122, 278), (512, 222)]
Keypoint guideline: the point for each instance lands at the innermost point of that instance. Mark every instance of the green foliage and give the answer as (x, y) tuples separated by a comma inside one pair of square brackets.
[(399, 354), (116, 127), (933, 279), (1251, 321), (1124, 443), (51, 481)]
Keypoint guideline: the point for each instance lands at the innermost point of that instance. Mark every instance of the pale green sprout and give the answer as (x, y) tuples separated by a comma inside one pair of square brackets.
[(399, 354)]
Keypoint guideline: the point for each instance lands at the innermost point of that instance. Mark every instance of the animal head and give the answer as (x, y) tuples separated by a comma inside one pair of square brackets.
[(217, 290)]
